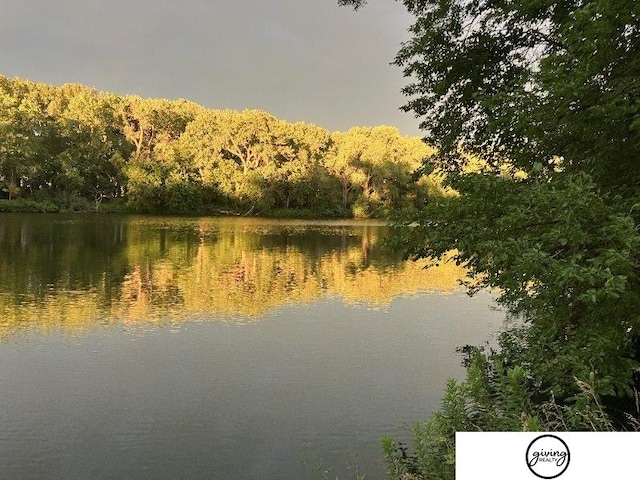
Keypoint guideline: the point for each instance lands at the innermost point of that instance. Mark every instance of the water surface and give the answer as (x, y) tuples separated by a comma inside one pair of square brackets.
[(145, 347)]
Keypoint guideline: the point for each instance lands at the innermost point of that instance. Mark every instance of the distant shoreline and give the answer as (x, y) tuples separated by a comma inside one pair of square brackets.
[(32, 206)]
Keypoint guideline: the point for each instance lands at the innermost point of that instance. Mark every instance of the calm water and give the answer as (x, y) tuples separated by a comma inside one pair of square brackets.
[(172, 348)]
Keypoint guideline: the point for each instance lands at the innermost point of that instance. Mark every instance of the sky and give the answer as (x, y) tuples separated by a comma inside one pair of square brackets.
[(300, 60)]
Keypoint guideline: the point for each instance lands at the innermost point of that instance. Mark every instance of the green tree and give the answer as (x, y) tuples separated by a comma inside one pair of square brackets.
[(61, 142), (526, 83), (297, 176), (152, 124), (246, 137), (202, 146), (543, 97), (22, 129), (252, 161), (375, 167), (73, 145), (92, 162)]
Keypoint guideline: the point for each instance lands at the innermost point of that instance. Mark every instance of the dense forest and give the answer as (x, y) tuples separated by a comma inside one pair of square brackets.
[(75, 148)]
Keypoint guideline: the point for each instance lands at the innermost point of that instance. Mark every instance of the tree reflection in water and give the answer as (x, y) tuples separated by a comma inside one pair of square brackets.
[(76, 272)]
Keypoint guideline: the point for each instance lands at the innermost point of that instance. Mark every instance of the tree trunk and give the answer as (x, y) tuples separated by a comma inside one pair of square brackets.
[(345, 192), (10, 186)]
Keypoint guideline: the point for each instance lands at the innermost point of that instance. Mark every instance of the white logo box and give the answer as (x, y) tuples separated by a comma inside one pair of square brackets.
[(503, 455)]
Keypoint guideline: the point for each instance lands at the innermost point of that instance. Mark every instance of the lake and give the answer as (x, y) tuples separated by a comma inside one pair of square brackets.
[(233, 348)]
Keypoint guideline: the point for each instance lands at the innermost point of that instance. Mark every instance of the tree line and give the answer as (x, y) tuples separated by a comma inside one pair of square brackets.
[(76, 148)]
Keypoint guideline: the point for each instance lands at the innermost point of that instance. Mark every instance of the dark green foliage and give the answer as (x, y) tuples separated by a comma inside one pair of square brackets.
[(564, 257), (534, 109), (497, 395), (529, 82), (25, 205), (541, 94)]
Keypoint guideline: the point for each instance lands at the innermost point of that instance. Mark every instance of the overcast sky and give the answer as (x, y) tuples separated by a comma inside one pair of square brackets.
[(306, 60)]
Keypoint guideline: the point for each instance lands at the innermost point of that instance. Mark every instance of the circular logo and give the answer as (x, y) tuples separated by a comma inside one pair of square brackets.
[(547, 456)]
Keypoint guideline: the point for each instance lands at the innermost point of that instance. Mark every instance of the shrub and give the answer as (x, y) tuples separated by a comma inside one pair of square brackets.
[(500, 393), (26, 205)]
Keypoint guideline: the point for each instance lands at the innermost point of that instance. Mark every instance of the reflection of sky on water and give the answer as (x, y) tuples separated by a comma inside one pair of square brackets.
[(217, 348), (244, 401)]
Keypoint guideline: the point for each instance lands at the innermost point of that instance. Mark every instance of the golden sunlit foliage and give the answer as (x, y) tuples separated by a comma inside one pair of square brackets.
[(74, 148)]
